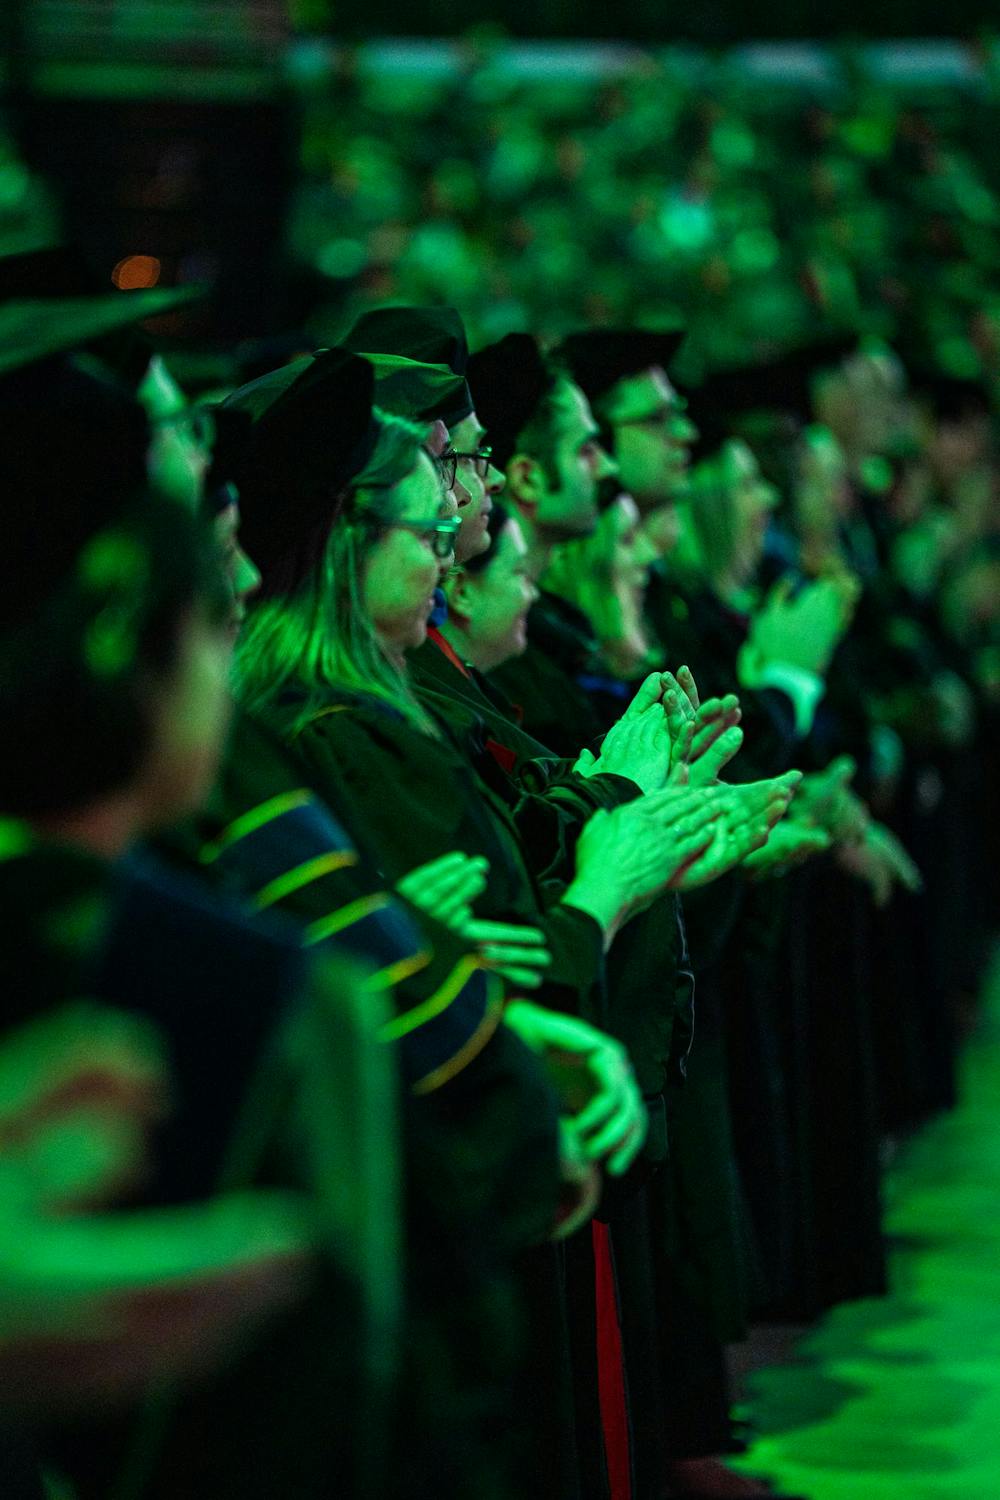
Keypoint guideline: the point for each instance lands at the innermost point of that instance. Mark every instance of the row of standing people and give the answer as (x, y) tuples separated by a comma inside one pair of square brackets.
[(410, 931)]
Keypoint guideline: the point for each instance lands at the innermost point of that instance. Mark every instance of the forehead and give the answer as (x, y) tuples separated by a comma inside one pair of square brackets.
[(741, 460), (625, 513), (421, 492), (159, 391), (468, 432), (635, 395), (822, 447), (574, 420)]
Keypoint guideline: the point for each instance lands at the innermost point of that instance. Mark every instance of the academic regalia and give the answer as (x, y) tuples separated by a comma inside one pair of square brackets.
[(543, 683), (220, 991), (789, 1079), (680, 1244), (353, 753), (480, 1135), (446, 795)]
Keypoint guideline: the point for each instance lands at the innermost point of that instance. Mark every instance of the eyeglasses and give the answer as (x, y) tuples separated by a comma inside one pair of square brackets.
[(439, 531), (195, 423), (448, 464)]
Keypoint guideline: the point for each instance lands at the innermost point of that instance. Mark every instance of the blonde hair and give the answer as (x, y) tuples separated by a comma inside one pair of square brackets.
[(320, 636)]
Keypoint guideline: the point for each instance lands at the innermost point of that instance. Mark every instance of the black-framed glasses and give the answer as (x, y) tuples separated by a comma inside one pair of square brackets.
[(448, 463), (439, 530)]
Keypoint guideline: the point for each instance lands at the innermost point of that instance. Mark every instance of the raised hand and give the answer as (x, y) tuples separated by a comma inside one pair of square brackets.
[(638, 745), (446, 888), (518, 953), (825, 800), (593, 1079), (790, 844), (801, 628), (882, 862), (745, 816), (626, 857)]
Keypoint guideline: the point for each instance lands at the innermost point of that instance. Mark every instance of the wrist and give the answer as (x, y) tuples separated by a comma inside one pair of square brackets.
[(599, 899)]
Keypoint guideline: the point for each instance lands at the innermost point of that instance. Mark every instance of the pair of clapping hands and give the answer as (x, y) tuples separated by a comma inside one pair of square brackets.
[(865, 848), (686, 830), (674, 747)]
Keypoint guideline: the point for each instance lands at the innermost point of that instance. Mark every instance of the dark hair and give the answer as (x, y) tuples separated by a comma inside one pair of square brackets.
[(538, 436), (76, 674)]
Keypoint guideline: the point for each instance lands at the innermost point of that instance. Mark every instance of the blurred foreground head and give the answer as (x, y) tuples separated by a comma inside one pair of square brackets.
[(112, 662)]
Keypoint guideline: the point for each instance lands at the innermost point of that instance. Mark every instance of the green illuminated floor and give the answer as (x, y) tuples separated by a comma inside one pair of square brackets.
[(901, 1397)]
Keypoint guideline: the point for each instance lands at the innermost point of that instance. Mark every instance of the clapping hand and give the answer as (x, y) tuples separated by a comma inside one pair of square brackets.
[(744, 818), (638, 745), (593, 1079), (880, 859), (712, 727), (801, 629), (790, 843), (446, 888)]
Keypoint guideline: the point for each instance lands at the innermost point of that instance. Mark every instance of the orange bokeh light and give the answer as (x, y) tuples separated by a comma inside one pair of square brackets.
[(135, 272)]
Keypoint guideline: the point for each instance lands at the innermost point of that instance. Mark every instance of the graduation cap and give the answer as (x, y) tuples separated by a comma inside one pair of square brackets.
[(423, 392), (311, 430), (776, 396), (597, 358), (51, 301), (38, 328), (429, 335), (509, 380)]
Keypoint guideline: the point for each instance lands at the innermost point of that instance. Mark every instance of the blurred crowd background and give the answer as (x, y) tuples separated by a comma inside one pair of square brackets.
[(771, 198), (762, 193)]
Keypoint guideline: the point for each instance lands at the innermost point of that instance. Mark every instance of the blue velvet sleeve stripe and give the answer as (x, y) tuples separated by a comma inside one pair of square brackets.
[(374, 926), (442, 1035), (290, 842), (265, 845)]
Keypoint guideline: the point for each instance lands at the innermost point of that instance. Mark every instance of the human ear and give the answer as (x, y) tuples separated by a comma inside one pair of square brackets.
[(525, 484), (460, 594)]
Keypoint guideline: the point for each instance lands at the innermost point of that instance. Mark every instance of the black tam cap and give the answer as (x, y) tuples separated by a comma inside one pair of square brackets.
[(422, 392), (312, 430), (509, 380), (597, 358), (430, 335), (740, 400)]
